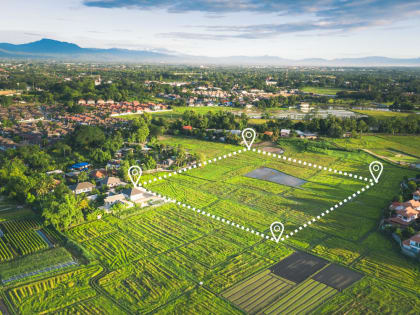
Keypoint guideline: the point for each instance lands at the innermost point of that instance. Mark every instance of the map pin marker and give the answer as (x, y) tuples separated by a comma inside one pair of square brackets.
[(248, 135), (277, 229), (134, 172), (376, 169)]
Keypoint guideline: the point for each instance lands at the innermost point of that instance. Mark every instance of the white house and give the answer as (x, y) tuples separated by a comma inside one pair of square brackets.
[(304, 107), (83, 187), (112, 200), (111, 182), (269, 82), (137, 196), (285, 132)]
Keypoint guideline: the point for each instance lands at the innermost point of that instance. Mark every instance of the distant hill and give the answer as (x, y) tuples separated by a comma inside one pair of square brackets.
[(53, 49)]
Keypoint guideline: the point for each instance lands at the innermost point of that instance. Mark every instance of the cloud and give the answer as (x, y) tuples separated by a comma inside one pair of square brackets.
[(317, 15)]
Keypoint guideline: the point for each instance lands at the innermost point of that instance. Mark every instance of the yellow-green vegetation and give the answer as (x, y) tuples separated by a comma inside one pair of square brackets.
[(382, 114), (198, 301), (34, 262), (321, 90), (257, 121), (144, 286), (338, 250), (177, 111), (301, 299), (155, 259), (371, 296), (10, 211), (258, 291), (96, 305), (207, 148), (21, 238), (394, 148), (54, 293)]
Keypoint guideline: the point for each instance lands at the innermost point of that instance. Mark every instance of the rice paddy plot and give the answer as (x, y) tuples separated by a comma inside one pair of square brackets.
[(210, 250), (298, 266), (371, 296), (337, 249), (257, 292), (302, 299), (337, 277), (198, 301), (144, 285)]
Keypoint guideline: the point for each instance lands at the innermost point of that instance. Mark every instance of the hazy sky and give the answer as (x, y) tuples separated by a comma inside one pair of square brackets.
[(286, 28)]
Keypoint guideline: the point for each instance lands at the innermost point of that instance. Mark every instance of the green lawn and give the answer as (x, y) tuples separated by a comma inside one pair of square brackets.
[(396, 148), (320, 90), (382, 114), (208, 148)]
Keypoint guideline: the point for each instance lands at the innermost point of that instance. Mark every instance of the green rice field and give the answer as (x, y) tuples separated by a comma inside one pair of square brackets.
[(171, 259)]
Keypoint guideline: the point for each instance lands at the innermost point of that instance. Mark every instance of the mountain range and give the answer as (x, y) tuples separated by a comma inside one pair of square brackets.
[(49, 49)]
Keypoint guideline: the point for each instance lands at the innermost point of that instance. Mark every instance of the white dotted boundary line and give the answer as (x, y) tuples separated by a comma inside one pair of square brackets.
[(185, 169), (333, 208), (262, 235), (211, 216), (282, 157), (313, 165)]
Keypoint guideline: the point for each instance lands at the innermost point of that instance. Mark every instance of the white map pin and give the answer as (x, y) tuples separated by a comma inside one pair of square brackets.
[(376, 169), (134, 172), (277, 229), (248, 135)]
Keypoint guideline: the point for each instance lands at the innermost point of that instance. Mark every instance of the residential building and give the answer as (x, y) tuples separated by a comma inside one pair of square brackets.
[(285, 132), (83, 187), (113, 199), (80, 166), (306, 135), (98, 174), (405, 212), (416, 195), (304, 107), (268, 133), (138, 196), (412, 244), (111, 182)]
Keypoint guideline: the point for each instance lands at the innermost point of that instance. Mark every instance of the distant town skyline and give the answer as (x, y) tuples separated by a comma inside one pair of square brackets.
[(291, 29)]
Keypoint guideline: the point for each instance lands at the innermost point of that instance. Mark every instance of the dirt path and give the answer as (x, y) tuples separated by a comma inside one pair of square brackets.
[(385, 158)]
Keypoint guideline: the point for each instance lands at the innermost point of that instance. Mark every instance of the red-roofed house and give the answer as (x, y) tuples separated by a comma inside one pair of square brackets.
[(187, 128), (405, 213)]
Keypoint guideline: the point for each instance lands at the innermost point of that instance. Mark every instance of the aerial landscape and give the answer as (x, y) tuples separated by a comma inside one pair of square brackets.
[(210, 157)]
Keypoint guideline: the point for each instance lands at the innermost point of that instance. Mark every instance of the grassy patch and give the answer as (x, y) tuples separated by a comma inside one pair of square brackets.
[(34, 262), (320, 90)]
